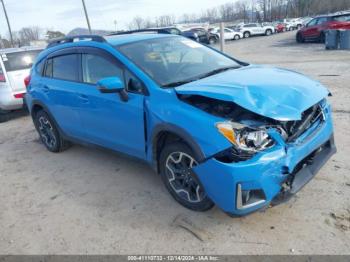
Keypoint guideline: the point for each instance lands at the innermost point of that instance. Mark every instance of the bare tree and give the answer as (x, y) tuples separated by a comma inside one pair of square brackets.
[(137, 23), (28, 34)]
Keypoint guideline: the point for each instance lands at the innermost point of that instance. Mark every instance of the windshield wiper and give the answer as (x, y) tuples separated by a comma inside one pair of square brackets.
[(179, 83), (217, 71), (213, 72)]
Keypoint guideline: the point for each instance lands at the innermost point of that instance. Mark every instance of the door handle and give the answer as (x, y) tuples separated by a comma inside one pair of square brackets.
[(46, 88), (84, 98)]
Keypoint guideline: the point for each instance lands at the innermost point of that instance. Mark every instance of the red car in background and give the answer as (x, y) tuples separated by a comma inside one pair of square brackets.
[(315, 29), (280, 27)]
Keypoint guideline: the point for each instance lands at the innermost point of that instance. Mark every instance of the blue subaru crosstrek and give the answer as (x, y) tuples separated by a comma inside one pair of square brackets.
[(217, 130)]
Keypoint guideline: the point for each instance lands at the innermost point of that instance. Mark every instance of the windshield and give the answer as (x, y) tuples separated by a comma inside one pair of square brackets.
[(19, 60), (173, 61)]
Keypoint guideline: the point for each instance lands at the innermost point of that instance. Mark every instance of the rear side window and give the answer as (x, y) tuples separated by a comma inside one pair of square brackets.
[(20, 60), (64, 67), (343, 18), (96, 67)]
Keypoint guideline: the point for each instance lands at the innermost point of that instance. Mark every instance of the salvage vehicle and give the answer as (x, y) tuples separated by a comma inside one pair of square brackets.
[(217, 130), (315, 30), (15, 64), (249, 30)]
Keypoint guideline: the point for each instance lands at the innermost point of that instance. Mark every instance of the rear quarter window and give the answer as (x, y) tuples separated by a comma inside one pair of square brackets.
[(343, 18), (20, 60), (40, 67)]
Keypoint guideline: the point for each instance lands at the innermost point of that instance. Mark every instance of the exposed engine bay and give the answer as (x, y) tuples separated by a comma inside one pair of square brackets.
[(290, 130)]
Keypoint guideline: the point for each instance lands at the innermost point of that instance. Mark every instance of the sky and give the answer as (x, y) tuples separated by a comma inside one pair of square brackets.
[(64, 15)]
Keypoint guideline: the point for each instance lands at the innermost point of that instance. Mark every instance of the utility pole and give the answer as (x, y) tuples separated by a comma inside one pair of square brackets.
[(8, 22), (115, 25), (87, 17)]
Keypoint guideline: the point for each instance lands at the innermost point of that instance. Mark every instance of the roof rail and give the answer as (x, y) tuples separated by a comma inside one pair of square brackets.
[(155, 31), (71, 39)]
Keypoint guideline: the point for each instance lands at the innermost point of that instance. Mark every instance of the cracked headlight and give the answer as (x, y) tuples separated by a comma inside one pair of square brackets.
[(245, 138)]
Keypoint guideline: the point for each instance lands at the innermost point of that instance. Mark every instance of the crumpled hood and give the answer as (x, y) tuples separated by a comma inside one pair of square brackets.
[(272, 92)]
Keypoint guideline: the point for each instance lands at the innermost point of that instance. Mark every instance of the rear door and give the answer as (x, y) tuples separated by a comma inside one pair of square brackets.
[(17, 66), (60, 87)]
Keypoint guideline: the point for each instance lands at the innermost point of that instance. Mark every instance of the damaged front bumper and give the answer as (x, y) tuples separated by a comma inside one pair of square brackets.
[(271, 176)]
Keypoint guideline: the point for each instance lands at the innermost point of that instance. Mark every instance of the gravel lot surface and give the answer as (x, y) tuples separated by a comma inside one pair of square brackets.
[(90, 201)]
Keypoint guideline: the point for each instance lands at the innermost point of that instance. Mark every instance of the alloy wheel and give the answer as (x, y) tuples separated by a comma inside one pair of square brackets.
[(46, 132), (180, 176)]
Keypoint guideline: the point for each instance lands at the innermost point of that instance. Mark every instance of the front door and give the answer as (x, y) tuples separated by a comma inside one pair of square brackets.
[(107, 120)]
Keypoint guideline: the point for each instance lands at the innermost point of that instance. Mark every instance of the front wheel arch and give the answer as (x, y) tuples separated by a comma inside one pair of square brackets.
[(169, 133)]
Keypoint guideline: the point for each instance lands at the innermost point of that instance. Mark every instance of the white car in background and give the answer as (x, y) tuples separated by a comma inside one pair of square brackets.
[(229, 34), (15, 64), (256, 29)]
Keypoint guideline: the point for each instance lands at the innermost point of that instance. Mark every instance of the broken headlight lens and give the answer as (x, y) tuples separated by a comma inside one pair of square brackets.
[(245, 138)]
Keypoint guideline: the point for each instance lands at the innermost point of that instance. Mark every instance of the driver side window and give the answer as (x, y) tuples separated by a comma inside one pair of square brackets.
[(96, 67)]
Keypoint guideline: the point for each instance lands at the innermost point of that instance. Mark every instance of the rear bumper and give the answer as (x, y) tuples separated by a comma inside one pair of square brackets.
[(270, 177), (8, 101)]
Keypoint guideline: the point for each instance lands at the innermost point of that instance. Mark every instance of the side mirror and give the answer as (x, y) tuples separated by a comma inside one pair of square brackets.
[(112, 85)]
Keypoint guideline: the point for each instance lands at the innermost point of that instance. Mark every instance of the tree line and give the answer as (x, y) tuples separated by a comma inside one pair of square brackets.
[(233, 11), (248, 11), (26, 35)]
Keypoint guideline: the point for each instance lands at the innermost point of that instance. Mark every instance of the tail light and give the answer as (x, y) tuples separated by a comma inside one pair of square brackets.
[(20, 95), (2, 77), (27, 81)]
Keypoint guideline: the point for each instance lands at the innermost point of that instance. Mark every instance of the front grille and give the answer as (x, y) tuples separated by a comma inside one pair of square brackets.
[(295, 129)]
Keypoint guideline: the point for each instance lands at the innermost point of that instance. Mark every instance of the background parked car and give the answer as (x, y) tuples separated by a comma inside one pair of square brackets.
[(15, 64), (229, 34), (256, 29), (203, 36), (315, 29), (280, 27)]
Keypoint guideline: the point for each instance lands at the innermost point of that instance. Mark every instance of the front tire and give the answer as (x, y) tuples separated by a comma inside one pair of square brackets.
[(246, 34), (49, 133), (236, 37), (300, 38), (268, 32), (176, 162), (212, 41)]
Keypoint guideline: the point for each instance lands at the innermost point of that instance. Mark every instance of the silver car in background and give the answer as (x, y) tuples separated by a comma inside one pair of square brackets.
[(15, 64)]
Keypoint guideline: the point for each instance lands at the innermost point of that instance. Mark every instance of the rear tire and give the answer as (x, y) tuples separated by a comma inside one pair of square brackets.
[(236, 37), (176, 161), (49, 133), (4, 116)]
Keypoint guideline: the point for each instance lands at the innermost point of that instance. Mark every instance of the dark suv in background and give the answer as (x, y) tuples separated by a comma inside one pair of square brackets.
[(316, 28)]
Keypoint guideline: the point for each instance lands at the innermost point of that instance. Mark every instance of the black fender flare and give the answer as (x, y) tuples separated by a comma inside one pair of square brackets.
[(46, 109), (178, 131)]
